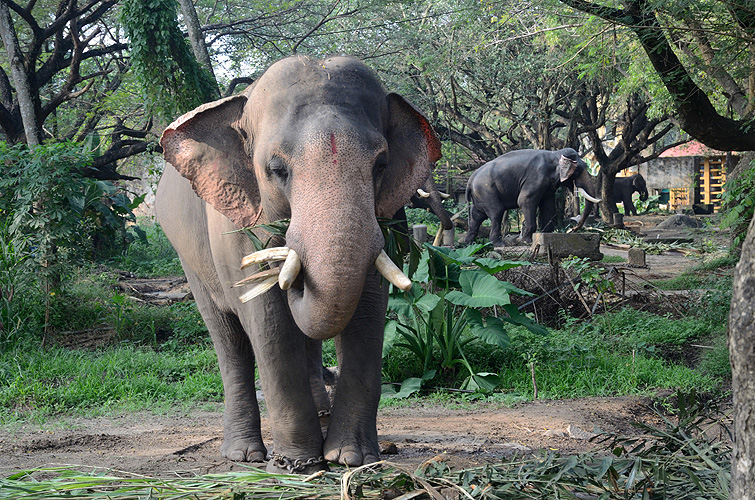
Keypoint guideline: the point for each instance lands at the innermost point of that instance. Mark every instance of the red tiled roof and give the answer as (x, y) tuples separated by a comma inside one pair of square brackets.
[(692, 148)]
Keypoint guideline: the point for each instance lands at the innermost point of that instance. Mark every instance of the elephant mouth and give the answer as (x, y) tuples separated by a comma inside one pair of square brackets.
[(286, 274)]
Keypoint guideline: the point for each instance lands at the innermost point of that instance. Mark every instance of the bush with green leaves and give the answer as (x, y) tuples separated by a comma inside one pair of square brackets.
[(17, 288), (152, 255), (443, 312), (738, 200), (64, 215)]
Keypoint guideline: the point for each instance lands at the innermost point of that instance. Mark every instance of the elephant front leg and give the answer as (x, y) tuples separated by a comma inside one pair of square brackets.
[(352, 435), (284, 367), (242, 437)]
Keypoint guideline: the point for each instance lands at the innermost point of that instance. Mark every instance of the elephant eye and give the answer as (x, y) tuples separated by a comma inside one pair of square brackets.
[(278, 168), (381, 162)]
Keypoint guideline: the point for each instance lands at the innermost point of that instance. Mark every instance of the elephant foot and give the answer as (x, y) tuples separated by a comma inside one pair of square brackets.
[(280, 464), (239, 450), (351, 451)]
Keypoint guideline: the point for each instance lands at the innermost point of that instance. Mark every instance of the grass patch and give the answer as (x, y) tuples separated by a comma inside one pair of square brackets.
[(38, 384)]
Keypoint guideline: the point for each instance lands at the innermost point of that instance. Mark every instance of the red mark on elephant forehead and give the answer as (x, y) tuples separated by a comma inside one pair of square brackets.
[(333, 148)]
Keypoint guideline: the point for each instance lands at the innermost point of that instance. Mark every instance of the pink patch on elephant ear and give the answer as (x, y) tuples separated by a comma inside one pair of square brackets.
[(204, 147), (413, 149), (566, 168)]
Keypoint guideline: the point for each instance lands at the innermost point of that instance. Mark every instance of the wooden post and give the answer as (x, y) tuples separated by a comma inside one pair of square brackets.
[(419, 233)]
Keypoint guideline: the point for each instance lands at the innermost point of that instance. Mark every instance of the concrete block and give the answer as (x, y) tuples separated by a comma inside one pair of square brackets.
[(636, 257), (448, 238), (419, 233), (566, 244)]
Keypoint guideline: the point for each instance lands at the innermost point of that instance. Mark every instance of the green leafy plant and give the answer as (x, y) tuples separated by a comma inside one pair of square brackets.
[(443, 312), (15, 285), (738, 199), (165, 67)]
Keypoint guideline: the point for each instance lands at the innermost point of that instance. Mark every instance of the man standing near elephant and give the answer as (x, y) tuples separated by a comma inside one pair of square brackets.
[(526, 179)]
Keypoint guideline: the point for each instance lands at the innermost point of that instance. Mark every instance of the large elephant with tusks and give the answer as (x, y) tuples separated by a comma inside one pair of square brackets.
[(319, 142), (526, 179)]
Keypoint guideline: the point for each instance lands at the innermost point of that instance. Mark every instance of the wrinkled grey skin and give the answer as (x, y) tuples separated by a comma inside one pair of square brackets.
[(624, 187), (526, 179), (321, 143)]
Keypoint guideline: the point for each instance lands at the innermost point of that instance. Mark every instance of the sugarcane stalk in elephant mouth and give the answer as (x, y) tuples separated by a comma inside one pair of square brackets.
[(286, 274)]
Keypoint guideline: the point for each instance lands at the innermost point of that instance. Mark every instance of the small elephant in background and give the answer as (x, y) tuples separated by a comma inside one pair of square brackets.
[(430, 198), (526, 179), (321, 143), (624, 188)]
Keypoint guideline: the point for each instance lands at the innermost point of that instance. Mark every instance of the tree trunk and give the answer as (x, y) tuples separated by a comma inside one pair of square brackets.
[(606, 195), (20, 77), (197, 39), (742, 356)]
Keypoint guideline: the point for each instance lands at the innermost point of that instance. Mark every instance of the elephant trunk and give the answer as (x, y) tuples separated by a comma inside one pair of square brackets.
[(338, 240), (587, 183), (644, 195)]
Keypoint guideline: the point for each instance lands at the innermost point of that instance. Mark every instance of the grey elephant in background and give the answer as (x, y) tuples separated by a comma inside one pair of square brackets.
[(526, 179), (431, 198), (319, 142), (624, 188)]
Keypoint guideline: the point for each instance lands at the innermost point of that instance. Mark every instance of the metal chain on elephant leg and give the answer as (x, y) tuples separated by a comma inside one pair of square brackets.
[(295, 465)]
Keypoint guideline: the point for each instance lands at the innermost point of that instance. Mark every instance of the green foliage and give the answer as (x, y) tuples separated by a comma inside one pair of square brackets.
[(17, 290), (64, 216), (152, 255), (36, 383), (167, 71), (441, 314), (738, 200)]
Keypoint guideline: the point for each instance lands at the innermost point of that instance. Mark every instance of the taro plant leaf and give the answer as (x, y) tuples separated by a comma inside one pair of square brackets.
[(491, 330), (492, 266), (405, 303), (481, 382), (480, 289), (389, 336), (408, 387), (517, 318)]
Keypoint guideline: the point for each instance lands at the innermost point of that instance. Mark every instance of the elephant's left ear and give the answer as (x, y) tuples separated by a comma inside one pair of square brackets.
[(205, 146), (413, 149), (566, 168)]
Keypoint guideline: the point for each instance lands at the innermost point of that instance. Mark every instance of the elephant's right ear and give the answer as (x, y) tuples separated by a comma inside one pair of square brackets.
[(205, 146), (566, 168)]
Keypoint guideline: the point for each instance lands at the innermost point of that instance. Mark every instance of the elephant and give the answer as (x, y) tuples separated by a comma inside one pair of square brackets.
[(430, 198), (526, 179), (323, 144), (624, 187)]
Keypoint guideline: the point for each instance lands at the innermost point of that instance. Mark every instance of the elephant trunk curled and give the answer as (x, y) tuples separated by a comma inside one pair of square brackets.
[(336, 234), (335, 264)]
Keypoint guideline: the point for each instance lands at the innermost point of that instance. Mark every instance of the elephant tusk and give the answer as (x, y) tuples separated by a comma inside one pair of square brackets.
[(260, 276), (391, 272), (259, 288), (587, 196), (443, 195), (265, 255), (438, 237), (422, 193), (289, 270)]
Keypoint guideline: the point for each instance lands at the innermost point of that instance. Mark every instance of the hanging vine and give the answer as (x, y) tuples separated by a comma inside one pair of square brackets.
[(165, 68)]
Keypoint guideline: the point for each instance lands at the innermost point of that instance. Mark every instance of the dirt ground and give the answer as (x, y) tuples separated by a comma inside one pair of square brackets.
[(188, 442)]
